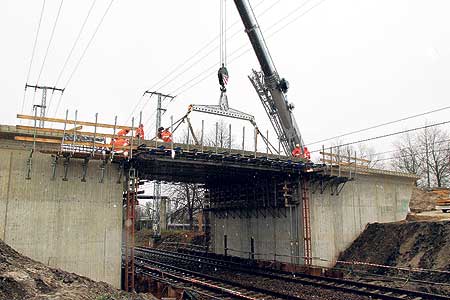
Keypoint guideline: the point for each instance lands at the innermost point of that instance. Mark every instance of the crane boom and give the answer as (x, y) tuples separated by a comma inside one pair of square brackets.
[(270, 88)]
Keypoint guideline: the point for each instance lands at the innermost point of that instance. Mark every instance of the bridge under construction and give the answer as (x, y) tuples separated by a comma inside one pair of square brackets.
[(62, 197)]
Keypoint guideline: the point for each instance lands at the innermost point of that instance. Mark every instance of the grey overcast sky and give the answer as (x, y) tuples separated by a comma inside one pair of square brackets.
[(350, 63)]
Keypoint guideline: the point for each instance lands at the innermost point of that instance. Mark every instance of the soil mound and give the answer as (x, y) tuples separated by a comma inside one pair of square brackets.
[(424, 245), (23, 278)]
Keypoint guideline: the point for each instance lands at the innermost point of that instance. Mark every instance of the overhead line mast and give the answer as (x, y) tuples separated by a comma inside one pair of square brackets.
[(43, 105)]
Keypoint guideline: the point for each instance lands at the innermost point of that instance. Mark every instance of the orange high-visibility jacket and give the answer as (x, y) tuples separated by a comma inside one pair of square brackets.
[(166, 136), (139, 132), (297, 152), (123, 132)]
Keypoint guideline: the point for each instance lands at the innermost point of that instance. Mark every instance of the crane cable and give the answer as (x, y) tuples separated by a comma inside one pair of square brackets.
[(181, 65), (223, 33), (32, 53), (203, 76), (190, 66)]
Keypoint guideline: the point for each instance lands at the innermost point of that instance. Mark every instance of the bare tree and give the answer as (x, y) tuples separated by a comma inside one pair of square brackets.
[(222, 136), (436, 156), (425, 154), (148, 210), (188, 200), (407, 155)]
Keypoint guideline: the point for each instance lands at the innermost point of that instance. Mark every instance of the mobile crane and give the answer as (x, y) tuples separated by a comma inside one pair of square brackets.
[(270, 87)]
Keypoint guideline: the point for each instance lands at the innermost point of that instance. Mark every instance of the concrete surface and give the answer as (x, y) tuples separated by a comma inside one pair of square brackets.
[(336, 221), (72, 225), (271, 234)]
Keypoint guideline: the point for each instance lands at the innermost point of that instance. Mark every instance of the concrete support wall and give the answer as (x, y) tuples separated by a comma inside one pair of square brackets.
[(271, 235), (336, 221), (72, 225)]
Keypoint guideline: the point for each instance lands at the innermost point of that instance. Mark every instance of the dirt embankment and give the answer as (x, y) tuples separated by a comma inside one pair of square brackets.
[(22, 278), (424, 245)]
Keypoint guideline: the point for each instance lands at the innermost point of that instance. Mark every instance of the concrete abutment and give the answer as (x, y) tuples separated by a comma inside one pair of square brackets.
[(72, 225)]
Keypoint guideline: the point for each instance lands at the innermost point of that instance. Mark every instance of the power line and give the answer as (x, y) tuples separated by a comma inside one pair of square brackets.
[(381, 125), (72, 49), (33, 52), (50, 41), (406, 148), (410, 154), (388, 135), (85, 50)]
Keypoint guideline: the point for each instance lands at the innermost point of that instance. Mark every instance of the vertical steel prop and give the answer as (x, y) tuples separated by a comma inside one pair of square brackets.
[(203, 130)]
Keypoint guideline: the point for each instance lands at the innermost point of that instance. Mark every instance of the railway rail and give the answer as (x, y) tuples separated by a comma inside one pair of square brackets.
[(271, 283), (206, 285)]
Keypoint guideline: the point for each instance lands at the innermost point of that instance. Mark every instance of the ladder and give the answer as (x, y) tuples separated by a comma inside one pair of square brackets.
[(131, 199), (306, 222)]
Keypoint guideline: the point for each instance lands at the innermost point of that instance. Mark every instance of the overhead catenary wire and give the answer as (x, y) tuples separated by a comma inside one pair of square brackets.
[(52, 34), (401, 149), (72, 49), (84, 51), (404, 155), (386, 135), (381, 125), (33, 53)]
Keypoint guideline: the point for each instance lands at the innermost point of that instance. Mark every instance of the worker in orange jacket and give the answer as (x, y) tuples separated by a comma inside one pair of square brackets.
[(164, 134), (306, 153), (120, 141), (140, 132), (297, 152)]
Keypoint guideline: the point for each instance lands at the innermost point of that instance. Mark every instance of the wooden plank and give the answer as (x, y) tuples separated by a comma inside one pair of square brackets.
[(344, 156), (38, 140), (61, 131), (344, 163), (55, 141), (56, 120), (74, 128)]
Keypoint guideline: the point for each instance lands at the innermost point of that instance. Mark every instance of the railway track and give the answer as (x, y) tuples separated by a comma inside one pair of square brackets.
[(205, 285), (291, 285)]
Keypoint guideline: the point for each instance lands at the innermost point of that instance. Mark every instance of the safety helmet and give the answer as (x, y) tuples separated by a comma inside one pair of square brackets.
[(160, 128), (298, 145)]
